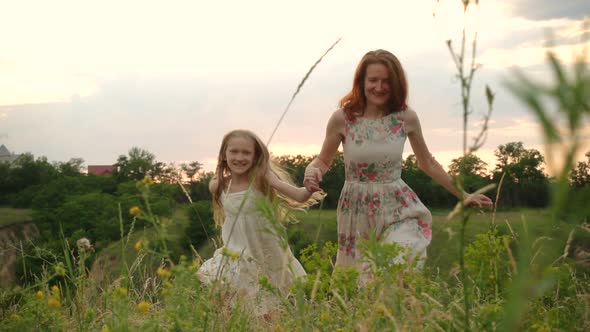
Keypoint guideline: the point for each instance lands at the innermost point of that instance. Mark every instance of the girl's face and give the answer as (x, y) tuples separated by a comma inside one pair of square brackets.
[(239, 154), (377, 89)]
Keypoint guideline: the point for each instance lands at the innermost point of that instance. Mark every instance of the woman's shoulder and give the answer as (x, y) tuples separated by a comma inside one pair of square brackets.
[(338, 118), (410, 119), (339, 114), (407, 115)]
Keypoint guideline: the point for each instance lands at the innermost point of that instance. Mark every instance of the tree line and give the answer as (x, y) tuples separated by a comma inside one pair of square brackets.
[(68, 203)]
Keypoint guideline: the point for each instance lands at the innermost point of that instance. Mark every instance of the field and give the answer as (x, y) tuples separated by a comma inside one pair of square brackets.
[(10, 216), (129, 290), (320, 226)]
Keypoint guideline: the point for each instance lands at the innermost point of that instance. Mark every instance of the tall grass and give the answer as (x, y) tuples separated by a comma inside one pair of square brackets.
[(504, 279)]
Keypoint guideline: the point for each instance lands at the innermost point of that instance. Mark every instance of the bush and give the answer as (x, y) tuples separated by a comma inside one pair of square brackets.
[(201, 224)]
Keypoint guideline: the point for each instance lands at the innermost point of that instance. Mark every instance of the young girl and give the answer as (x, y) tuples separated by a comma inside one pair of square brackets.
[(252, 248)]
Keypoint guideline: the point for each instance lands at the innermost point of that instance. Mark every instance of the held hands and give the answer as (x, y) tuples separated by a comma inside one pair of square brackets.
[(312, 178)]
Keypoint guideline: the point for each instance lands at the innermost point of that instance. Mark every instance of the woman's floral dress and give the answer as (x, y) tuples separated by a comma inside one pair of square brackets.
[(374, 198)]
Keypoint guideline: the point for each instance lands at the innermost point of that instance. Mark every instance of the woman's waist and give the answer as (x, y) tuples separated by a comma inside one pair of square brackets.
[(372, 176)]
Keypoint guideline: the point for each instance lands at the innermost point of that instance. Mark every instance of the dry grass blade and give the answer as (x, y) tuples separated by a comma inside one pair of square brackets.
[(298, 89), (459, 206), (497, 198)]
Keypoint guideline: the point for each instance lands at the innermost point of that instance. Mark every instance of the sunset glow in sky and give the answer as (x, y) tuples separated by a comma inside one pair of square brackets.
[(92, 79)]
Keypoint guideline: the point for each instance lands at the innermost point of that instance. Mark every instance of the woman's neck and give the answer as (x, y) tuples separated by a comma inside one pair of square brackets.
[(373, 112)]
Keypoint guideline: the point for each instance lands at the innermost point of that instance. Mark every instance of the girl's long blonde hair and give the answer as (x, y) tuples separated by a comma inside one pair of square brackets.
[(261, 165)]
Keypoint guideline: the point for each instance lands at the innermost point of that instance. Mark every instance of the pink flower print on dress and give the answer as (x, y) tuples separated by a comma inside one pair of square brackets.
[(372, 175), (395, 129), (426, 230), (371, 213), (342, 240)]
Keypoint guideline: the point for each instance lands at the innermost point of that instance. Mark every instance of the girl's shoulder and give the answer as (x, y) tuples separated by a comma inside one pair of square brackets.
[(214, 183)]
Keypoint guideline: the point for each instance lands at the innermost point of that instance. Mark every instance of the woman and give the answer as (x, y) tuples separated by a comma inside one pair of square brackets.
[(372, 124)]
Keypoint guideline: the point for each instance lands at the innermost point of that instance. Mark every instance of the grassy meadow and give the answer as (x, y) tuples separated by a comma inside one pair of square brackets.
[(10, 216), (133, 286)]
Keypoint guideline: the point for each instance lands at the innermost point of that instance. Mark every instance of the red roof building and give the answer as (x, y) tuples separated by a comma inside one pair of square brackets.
[(101, 170)]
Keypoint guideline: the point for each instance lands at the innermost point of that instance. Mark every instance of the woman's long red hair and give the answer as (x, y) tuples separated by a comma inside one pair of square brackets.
[(355, 102)]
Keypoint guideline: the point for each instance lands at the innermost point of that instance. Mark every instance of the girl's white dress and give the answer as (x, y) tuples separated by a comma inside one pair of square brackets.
[(252, 250)]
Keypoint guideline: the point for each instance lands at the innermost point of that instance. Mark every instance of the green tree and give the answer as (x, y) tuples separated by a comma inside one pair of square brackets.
[(191, 170), (136, 165), (73, 167), (93, 215), (580, 176), (28, 171), (525, 183), (295, 165), (5, 183), (474, 169), (430, 192), (199, 190), (201, 224), (332, 181)]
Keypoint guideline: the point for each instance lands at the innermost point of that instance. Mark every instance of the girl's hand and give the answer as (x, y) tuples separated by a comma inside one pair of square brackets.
[(312, 178), (478, 200)]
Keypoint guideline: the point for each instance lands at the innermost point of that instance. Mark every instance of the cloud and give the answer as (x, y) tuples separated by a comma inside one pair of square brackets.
[(549, 9), (177, 97)]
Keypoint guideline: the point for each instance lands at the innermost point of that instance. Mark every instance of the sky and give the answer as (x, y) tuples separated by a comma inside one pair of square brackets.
[(91, 79)]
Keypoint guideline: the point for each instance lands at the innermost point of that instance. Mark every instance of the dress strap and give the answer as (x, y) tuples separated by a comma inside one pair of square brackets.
[(228, 186)]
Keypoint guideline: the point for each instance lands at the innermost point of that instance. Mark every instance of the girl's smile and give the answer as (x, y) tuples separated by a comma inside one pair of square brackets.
[(240, 155)]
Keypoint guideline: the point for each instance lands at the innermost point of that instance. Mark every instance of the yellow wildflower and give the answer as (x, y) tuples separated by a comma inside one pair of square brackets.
[(194, 265), (233, 255), (324, 316), (134, 211), (183, 258), (138, 245), (120, 292), (143, 307), (381, 309), (14, 317), (39, 295), (105, 329), (167, 284), (54, 303), (163, 273), (59, 269), (147, 180), (55, 291)]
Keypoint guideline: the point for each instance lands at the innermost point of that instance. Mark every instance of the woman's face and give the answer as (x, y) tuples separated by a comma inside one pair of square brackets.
[(240, 155), (377, 89)]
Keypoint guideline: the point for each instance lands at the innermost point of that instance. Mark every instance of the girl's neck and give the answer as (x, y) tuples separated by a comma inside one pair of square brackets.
[(239, 182)]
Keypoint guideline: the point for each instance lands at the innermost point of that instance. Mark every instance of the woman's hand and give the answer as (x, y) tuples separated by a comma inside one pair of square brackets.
[(478, 200), (312, 178)]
